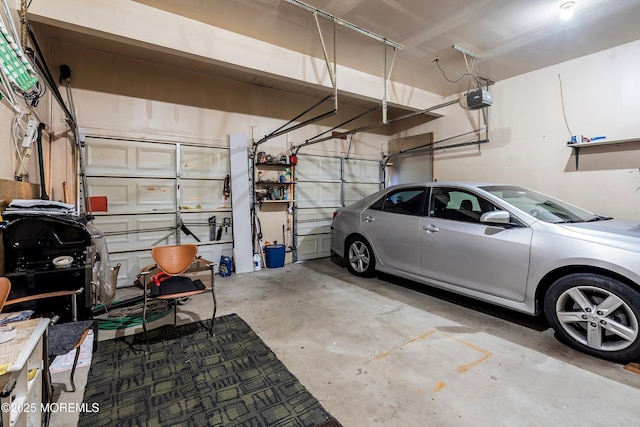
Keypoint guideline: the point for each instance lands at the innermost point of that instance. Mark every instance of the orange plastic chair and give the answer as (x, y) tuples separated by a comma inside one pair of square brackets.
[(169, 285), (5, 288)]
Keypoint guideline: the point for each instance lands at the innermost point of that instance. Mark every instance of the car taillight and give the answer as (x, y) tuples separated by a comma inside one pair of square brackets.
[(334, 214)]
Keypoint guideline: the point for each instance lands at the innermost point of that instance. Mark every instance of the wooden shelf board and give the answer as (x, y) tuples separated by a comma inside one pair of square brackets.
[(273, 183), (602, 142)]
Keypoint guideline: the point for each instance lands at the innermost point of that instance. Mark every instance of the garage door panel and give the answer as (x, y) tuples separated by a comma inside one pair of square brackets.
[(214, 252), (198, 224), (113, 157), (122, 225), (131, 263), (127, 232), (203, 194), (115, 190), (354, 192), (156, 195), (315, 221), (149, 160), (142, 182), (134, 195), (361, 171), (203, 162), (324, 183), (318, 194), (314, 246), (316, 168), (159, 223), (108, 159)]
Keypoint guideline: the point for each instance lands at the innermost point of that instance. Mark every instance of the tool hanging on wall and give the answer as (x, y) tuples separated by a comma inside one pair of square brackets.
[(64, 192), (212, 228), (257, 228), (188, 232), (226, 190), (43, 187), (180, 226)]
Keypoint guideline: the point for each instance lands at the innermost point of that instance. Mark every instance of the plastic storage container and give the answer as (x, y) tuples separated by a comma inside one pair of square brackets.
[(225, 266), (274, 255)]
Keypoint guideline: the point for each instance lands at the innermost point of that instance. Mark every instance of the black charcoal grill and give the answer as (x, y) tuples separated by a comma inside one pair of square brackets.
[(48, 251)]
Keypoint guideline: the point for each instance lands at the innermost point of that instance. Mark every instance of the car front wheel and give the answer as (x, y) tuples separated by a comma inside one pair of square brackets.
[(597, 315), (360, 259)]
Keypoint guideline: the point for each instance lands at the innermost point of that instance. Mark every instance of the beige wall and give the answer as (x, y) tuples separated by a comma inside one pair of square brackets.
[(528, 133)]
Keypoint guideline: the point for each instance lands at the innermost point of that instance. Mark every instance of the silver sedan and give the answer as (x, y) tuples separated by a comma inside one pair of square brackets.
[(509, 246)]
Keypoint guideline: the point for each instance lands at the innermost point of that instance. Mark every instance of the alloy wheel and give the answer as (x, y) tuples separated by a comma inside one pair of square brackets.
[(597, 318), (359, 256)]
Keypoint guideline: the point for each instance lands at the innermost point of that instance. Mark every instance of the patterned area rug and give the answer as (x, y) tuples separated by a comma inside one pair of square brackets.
[(193, 379)]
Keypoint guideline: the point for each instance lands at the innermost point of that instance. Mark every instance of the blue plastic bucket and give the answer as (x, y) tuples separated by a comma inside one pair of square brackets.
[(274, 255)]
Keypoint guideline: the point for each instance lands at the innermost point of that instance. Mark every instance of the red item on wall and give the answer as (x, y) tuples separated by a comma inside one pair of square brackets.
[(98, 204)]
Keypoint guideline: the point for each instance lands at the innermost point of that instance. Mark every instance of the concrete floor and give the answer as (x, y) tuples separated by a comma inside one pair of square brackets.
[(386, 351)]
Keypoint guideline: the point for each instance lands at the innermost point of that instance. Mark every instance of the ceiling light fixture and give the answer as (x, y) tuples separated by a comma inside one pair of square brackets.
[(567, 9)]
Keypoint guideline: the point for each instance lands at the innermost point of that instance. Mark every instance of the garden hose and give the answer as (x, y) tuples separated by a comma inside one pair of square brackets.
[(126, 317)]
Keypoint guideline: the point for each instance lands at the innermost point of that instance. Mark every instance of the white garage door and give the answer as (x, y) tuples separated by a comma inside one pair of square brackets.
[(157, 193), (324, 184)]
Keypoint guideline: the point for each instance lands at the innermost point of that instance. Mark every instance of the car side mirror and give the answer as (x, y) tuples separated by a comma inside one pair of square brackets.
[(496, 217)]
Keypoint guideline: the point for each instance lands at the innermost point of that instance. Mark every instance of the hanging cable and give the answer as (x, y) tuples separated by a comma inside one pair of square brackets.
[(437, 61), (32, 97), (564, 113), (17, 135)]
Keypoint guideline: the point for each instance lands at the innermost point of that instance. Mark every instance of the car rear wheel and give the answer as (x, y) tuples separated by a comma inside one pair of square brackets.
[(360, 259), (596, 315)]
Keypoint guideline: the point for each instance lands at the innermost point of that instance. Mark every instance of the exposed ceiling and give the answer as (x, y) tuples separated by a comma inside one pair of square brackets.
[(509, 37)]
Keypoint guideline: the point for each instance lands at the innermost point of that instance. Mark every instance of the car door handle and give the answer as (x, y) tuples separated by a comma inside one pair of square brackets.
[(430, 228), (369, 218)]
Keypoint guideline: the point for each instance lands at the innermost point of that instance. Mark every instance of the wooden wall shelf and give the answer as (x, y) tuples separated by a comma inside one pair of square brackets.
[(579, 145)]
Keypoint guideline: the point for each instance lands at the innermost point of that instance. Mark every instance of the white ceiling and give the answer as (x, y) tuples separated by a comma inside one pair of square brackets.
[(510, 37)]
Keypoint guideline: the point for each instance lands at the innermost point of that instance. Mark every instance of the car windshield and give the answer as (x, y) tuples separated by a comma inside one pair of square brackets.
[(541, 206)]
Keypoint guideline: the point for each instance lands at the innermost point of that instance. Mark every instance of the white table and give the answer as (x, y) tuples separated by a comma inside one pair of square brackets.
[(22, 366)]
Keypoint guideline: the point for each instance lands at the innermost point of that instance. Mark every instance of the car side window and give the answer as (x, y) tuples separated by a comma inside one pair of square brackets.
[(458, 204), (407, 201)]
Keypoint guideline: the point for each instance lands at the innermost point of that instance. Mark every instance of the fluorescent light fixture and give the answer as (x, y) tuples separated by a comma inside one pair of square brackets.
[(567, 9)]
